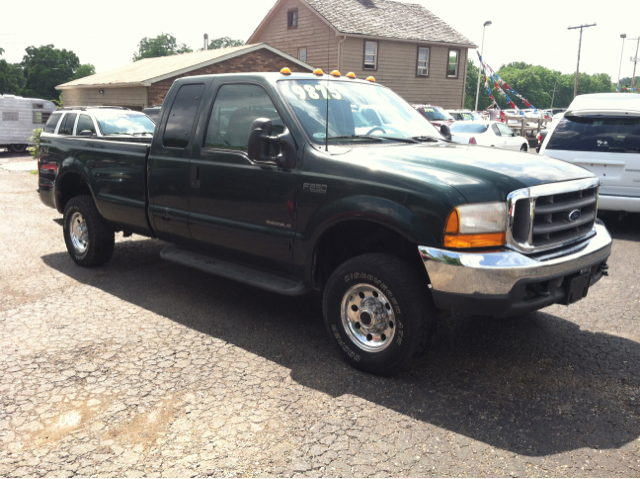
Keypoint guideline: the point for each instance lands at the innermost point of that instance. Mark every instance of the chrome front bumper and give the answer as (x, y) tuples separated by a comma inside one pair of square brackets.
[(496, 274)]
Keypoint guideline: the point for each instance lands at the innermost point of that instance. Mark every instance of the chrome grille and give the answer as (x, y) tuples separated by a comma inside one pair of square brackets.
[(550, 216)]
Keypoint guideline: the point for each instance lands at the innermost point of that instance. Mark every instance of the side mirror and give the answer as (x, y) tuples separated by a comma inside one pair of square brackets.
[(86, 133), (261, 141), (445, 131)]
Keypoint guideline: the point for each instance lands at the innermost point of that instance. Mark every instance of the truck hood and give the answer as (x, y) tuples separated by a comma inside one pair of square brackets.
[(480, 174)]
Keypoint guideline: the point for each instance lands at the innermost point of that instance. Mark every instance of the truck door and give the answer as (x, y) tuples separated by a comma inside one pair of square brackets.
[(238, 208), (168, 175)]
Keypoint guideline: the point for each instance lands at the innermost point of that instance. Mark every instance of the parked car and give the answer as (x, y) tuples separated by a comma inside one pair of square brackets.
[(258, 178), (601, 132), (100, 122), (488, 133), (19, 117), (464, 115), (153, 112), (435, 114)]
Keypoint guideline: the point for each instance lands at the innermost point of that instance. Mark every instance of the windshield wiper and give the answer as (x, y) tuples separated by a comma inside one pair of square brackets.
[(405, 140), (141, 133), (621, 148), (427, 138), (355, 137)]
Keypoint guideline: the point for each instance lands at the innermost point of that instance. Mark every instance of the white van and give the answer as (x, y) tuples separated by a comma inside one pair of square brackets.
[(19, 117), (601, 132)]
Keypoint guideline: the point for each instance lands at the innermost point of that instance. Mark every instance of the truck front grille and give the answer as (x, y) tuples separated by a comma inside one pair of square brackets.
[(550, 216)]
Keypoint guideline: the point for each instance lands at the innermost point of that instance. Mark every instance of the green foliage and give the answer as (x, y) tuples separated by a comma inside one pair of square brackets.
[(59, 103), (84, 70), (45, 67), (472, 86), (163, 45), (626, 82), (35, 137), (224, 42), (11, 78)]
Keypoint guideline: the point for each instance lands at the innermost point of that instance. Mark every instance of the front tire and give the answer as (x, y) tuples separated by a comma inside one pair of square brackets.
[(378, 312), (524, 148), (18, 148), (88, 238)]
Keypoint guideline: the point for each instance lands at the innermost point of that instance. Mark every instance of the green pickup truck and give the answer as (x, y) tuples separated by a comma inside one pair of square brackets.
[(301, 182)]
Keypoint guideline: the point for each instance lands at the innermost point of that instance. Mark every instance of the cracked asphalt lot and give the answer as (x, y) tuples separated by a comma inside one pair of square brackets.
[(144, 367)]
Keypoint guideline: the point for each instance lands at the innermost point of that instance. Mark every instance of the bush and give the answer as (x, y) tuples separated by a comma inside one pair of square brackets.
[(35, 137)]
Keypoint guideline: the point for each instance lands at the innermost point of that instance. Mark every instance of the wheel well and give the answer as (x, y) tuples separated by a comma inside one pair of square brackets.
[(353, 238), (70, 185)]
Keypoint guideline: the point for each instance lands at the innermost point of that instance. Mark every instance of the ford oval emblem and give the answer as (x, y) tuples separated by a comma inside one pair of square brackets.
[(575, 215)]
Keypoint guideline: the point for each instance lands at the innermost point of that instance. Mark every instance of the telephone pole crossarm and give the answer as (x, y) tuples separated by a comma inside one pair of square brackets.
[(581, 27)]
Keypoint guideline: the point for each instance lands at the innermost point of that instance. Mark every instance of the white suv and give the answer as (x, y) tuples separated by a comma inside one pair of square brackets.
[(601, 132), (100, 122)]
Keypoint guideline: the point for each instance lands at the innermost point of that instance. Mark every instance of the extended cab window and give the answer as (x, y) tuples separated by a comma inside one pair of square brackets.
[(85, 123), (613, 134), (50, 127), (182, 116), (234, 110), (66, 128)]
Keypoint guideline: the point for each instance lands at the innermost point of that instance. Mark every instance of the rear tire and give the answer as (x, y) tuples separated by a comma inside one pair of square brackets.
[(18, 148), (378, 312), (88, 238)]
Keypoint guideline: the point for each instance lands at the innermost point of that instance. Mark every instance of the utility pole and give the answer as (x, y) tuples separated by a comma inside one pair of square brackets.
[(554, 94), (623, 36), (581, 27), (635, 61)]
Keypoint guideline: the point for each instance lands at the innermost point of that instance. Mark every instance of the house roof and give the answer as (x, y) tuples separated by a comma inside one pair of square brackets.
[(150, 70), (383, 18)]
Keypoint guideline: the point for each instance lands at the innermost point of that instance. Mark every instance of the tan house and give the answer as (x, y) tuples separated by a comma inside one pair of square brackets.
[(404, 46), (146, 82)]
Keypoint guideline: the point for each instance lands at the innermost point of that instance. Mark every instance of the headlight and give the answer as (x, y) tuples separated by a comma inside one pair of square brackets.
[(476, 226)]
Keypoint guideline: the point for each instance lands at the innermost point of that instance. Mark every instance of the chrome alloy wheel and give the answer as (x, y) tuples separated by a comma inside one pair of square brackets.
[(368, 318), (78, 232)]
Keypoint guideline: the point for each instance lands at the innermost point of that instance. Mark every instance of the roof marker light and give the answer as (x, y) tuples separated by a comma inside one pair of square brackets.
[(285, 71), (371, 79), (318, 72), (335, 73), (351, 75)]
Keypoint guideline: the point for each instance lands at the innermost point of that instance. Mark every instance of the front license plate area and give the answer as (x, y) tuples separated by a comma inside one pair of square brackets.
[(576, 287)]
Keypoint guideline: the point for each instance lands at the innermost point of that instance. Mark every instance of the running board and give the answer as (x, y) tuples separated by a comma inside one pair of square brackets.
[(236, 272)]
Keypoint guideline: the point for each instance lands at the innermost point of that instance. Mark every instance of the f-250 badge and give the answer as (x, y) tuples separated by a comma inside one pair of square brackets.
[(314, 188)]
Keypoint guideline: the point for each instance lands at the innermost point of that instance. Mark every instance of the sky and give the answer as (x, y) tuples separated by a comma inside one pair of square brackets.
[(535, 32)]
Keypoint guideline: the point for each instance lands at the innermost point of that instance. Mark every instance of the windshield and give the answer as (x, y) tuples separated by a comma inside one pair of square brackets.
[(462, 127), (124, 123), (356, 111), (610, 134), (435, 113)]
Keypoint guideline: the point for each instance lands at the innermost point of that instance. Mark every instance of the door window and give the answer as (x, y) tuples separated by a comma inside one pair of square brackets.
[(495, 129), (50, 127), (182, 116), (85, 123), (66, 128), (505, 130), (234, 110)]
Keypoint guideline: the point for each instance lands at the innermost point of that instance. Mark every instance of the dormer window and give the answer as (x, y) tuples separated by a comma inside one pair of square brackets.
[(292, 18)]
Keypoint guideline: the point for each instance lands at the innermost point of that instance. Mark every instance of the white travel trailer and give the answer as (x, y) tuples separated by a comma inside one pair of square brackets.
[(19, 117)]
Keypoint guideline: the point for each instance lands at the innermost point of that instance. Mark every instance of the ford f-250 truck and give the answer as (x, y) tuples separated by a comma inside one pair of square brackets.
[(299, 182)]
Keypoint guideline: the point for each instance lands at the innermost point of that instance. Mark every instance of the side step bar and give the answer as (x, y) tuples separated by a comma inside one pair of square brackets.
[(236, 272)]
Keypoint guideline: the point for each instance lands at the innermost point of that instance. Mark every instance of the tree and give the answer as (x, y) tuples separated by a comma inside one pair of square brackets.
[(11, 77), (45, 67), (471, 87), (84, 70), (224, 42), (163, 45)]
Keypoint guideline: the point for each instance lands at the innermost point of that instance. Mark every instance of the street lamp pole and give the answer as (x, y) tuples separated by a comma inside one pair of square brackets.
[(623, 36), (581, 27), (486, 24)]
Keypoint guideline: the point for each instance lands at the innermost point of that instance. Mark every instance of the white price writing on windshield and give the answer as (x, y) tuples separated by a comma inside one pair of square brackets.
[(313, 92)]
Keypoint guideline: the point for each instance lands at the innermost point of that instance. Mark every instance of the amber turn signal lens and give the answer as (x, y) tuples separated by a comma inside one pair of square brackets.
[(285, 71), (452, 223), (335, 73), (371, 79), (474, 241), (318, 71), (351, 75)]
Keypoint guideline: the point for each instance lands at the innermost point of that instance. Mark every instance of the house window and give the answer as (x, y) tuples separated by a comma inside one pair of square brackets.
[(452, 65), (292, 18), (423, 62), (370, 55), (302, 54)]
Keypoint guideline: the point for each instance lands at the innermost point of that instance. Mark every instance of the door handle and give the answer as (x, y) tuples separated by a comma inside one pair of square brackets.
[(195, 176)]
